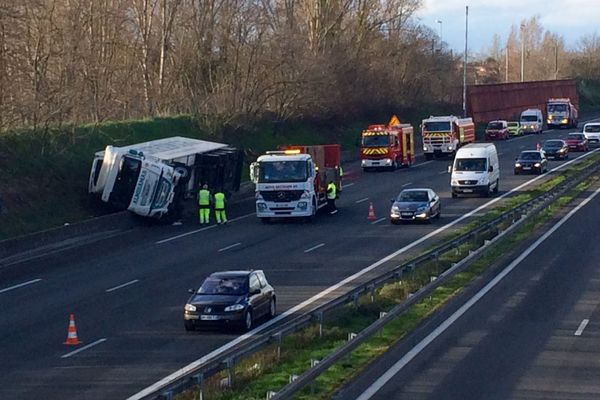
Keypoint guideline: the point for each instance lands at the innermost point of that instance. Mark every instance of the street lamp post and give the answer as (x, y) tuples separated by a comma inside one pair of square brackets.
[(465, 62), (439, 21), (522, 53)]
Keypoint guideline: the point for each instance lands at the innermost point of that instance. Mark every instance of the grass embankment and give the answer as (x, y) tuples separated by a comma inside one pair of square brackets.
[(264, 371)]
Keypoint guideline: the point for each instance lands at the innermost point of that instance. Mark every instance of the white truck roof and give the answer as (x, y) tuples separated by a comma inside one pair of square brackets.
[(284, 157), (173, 147)]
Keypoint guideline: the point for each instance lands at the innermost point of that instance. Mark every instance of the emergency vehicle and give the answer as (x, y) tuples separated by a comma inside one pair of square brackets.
[(444, 135), (292, 181), (388, 146)]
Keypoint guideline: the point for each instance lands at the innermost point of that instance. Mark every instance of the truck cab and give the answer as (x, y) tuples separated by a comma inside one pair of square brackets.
[(292, 182), (561, 112)]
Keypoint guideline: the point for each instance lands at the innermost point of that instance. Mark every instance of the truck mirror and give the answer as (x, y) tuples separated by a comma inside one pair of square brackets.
[(254, 168), (491, 168)]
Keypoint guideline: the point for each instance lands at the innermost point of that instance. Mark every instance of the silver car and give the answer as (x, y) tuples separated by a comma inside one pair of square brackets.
[(415, 204)]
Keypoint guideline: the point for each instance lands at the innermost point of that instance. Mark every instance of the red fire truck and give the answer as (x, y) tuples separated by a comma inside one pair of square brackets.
[(387, 146), (444, 135)]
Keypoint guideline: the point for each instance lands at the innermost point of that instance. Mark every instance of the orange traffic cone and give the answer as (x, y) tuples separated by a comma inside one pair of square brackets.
[(72, 332), (371, 216)]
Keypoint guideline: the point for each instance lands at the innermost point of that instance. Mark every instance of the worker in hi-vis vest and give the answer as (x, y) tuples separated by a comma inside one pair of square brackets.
[(331, 195), (220, 208), (204, 204)]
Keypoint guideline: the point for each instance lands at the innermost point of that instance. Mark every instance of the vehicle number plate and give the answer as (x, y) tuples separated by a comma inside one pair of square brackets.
[(526, 168), (406, 214), (467, 190), (192, 316), (376, 163), (209, 317)]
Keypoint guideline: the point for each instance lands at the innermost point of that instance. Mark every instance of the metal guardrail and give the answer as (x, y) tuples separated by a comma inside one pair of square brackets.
[(226, 360)]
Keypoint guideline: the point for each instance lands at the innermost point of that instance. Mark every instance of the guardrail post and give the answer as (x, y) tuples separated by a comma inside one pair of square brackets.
[(372, 290), (313, 363), (320, 319), (199, 379), (279, 340), (230, 372), (168, 395), (355, 299)]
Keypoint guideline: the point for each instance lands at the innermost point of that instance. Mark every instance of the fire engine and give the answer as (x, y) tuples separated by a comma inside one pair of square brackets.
[(387, 146), (444, 135)]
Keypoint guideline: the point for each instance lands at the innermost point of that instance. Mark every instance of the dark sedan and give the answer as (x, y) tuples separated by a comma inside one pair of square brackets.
[(415, 204), (533, 161), (577, 142), (236, 298), (556, 149)]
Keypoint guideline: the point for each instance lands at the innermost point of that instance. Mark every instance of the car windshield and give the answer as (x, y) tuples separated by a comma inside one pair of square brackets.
[(413, 196), (230, 286), (470, 164), (591, 128), (437, 126), (513, 124), (495, 125), (528, 118), (283, 171), (557, 107), (553, 144), (530, 155), (376, 140), (576, 137)]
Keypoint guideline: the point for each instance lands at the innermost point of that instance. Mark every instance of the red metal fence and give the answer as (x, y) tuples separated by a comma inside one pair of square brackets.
[(507, 100)]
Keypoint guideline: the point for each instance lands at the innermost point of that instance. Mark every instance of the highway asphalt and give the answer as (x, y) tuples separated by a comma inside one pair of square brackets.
[(534, 335), (127, 292)]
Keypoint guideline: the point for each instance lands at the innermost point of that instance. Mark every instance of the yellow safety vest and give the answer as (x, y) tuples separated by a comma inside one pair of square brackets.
[(204, 197), (331, 189), (219, 201)]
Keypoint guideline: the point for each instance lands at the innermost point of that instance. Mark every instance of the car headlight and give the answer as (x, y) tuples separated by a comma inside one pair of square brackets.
[(395, 209), (454, 182), (190, 307), (517, 165), (302, 204), (537, 165), (564, 121), (261, 206), (449, 147), (424, 148), (235, 307)]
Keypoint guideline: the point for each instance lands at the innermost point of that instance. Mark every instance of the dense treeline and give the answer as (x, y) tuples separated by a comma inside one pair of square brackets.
[(225, 61)]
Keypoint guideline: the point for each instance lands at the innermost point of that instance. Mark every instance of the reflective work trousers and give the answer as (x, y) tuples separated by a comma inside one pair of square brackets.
[(220, 215), (204, 214)]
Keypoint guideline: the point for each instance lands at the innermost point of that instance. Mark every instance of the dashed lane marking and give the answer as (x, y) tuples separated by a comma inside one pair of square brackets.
[(230, 247), (361, 200), (97, 342), (122, 286), (582, 326), (314, 247), (20, 285)]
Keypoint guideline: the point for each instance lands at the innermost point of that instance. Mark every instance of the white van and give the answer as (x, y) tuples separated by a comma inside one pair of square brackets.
[(532, 121), (475, 170)]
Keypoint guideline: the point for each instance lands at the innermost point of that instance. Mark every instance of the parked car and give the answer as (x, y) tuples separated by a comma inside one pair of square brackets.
[(496, 130), (236, 298), (591, 130), (577, 142), (556, 149), (415, 204), (514, 128), (533, 161)]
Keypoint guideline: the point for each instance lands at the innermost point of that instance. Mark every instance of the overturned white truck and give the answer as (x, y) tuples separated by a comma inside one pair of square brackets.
[(151, 179)]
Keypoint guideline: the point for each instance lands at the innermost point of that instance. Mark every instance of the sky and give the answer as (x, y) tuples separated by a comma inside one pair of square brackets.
[(571, 19)]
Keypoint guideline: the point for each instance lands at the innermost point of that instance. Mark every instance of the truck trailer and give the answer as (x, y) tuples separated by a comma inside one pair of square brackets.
[(292, 181), (151, 179), (387, 146)]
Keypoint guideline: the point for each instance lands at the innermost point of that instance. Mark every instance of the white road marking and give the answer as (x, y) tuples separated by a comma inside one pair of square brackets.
[(521, 147), (314, 247), (202, 360), (394, 369), (19, 285), (201, 229), (97, 342), (361, 200), (443, 172), (423, 163), (378, 220), (122, 286), (347, 185), (407, 184), (230, 247), (582, 326)]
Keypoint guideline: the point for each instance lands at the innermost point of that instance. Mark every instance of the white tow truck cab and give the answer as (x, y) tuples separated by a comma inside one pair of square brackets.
[(149, 178), (475, 170), (293, 182)]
